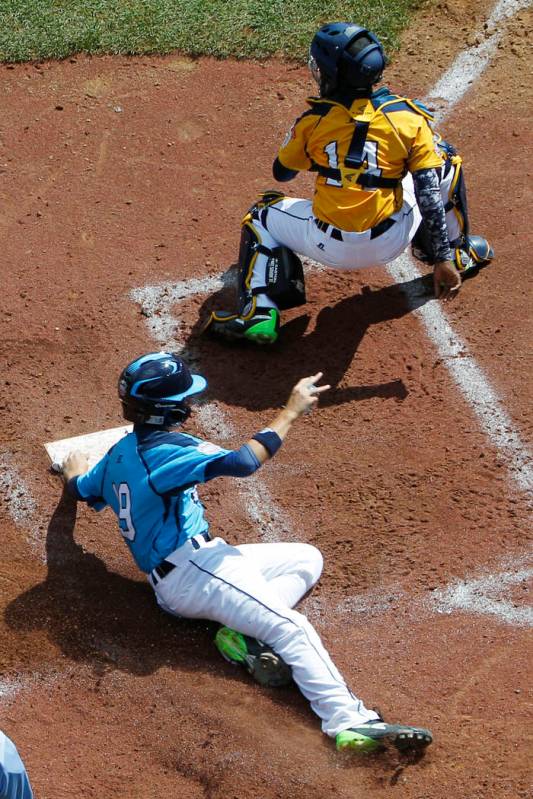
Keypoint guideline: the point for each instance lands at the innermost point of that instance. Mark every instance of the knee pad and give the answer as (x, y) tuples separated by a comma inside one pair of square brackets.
[(266, 198)]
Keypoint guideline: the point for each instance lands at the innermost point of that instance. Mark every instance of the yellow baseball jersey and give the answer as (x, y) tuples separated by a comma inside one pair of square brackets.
[(394, 136)]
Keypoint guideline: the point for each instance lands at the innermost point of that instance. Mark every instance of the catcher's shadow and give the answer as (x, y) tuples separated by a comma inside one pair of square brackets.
[(259, 377), (97, 616)]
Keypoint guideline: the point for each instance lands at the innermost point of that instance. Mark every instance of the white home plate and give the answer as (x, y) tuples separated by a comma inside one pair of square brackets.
[(93, 445)]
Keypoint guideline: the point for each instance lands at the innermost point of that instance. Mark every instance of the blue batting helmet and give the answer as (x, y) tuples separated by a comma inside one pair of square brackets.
[(154, 389), (344, 55)]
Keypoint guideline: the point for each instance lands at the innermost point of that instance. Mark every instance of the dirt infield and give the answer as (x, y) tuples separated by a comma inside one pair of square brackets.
[(117, 174)]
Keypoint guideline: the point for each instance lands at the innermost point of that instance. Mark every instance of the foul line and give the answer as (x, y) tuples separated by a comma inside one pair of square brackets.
[(470, 64), (470, 379)]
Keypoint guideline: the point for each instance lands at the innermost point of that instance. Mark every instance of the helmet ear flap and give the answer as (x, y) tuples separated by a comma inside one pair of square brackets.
[(172, 416), (179, 415), (130, 414)]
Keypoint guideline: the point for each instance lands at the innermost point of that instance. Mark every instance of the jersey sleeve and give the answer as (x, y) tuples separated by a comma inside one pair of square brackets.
[(179, 467), (238, 463), (293, 152), (281, 173), (424, 152), (90, 486)]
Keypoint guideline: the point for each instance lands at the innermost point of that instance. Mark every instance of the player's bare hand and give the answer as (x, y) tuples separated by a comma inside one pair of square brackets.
[(305, 394), (75, 463), (446, 280)]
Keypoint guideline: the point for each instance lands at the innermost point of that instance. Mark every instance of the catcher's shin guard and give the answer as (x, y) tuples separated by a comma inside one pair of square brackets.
[(277, 274), (278, 270)]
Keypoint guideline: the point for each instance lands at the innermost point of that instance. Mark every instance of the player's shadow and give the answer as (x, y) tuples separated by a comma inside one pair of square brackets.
[(107, 621), (97, 616), (260, 377), (110, 622)]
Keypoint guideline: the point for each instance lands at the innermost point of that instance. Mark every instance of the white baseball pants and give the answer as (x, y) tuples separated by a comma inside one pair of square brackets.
[(252, 588), (291, 222)]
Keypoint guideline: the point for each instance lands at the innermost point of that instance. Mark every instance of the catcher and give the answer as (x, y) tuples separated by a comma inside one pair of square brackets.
[(149, 480), (384, 179)]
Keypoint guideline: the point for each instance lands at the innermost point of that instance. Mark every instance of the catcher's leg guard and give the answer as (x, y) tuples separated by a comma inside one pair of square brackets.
[(267, 268), (270, 279)]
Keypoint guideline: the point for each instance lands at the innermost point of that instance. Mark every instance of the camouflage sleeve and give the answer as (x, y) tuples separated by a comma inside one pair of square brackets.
[(429, 199)]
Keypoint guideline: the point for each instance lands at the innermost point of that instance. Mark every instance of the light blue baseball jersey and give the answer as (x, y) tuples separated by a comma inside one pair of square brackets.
[(14, 782), (149, 480)]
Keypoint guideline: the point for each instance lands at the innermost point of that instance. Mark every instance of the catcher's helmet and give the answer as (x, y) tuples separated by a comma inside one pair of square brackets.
[(154, 388), (344, 55)]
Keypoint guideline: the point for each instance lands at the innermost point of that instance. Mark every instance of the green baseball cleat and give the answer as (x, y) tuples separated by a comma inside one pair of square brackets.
[(376, 734), (261, 327), (257, 658)]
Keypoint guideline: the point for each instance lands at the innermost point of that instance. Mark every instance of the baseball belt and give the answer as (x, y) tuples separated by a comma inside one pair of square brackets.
[(165, 567), (335, 233)]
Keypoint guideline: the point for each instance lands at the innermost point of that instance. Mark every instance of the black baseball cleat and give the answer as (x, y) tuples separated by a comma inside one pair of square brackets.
[(473, 254), (261, 326), (265, 666), (376, 734)]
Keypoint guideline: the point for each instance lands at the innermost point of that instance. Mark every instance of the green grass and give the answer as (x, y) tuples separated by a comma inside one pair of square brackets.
[(41, 29)]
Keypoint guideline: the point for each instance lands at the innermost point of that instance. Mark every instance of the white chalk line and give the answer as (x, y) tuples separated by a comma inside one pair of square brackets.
[(19, 502), (470, 64), (11, 689), (484, 596), (468, 376), (158, 300), (470, 379)]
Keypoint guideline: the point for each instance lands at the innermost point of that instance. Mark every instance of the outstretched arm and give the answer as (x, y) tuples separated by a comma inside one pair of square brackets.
[(303, 398), (250, 456), (264, 445)]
